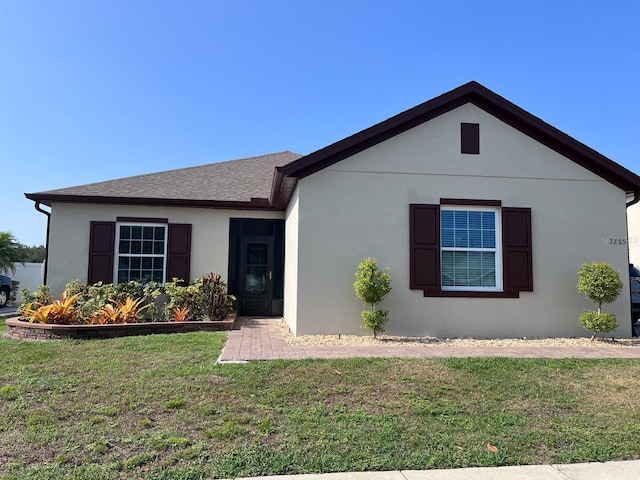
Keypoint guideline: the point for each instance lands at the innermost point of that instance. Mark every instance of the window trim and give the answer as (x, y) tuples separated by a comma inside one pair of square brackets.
[(117, 254), (499, 288)]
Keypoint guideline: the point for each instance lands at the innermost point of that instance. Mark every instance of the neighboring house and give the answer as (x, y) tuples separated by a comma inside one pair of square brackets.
[(633, 225), (482, 211)]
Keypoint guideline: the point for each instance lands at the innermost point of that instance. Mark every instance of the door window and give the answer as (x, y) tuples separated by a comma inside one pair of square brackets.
[(256, 274)]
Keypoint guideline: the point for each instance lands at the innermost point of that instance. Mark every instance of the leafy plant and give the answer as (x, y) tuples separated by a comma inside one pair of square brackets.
[(61, 312), (180, 314), (106, 315), (214, 291), (129, 311), (371, 286), (204, 298), (601, 283), (42, 296)]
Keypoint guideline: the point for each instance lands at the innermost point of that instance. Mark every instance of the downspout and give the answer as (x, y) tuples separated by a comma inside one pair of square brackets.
[(46, 247)]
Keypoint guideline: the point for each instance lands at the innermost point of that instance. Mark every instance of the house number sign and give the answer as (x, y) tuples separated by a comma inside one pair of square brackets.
[(614, 241)]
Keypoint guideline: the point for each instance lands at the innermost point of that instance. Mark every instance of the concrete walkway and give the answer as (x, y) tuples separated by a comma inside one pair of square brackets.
[(261, 339), (629, 470)]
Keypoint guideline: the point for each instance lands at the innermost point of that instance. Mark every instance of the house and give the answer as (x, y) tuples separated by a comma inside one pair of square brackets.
[(633, 225), (482, 212)]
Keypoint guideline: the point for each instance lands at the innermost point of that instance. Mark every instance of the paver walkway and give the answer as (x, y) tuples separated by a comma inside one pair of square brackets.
[(261, 339)]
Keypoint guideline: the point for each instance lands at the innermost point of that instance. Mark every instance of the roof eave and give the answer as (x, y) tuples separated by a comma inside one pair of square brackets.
[(48, 199), (281, 189)]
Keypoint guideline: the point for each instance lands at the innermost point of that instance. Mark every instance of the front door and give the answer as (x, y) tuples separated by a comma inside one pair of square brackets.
[(256, 275)]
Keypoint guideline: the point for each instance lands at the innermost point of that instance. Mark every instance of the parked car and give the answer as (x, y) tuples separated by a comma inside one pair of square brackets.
[(634, 277), (5, 290)]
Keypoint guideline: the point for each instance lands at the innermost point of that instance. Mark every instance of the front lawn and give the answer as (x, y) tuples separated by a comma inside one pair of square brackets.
[(159, 407)]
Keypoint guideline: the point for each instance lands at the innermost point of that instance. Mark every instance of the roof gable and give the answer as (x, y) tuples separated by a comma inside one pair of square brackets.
[(488, 101)]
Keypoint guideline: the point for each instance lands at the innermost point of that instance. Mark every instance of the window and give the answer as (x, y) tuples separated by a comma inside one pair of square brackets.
[(469, 249), (139, 249), (142, 250)]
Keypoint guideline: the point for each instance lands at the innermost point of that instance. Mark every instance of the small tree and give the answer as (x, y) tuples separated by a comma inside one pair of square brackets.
[(601, 283), (371, 286), (8, 252)]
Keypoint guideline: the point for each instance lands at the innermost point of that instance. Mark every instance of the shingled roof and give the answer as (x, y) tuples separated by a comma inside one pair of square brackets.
[(244, 183)]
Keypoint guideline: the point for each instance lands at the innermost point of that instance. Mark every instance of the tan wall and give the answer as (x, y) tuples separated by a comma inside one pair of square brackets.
[(360, 207), (69, 239)]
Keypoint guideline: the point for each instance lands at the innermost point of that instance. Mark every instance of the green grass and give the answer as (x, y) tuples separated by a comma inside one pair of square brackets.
[(159, 407)]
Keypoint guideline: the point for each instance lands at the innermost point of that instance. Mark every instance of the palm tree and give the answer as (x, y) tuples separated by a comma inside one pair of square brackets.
[(8, 252)]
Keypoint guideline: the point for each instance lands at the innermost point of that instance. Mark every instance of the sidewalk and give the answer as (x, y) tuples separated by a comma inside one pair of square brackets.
[(628, 470), (261, 339)]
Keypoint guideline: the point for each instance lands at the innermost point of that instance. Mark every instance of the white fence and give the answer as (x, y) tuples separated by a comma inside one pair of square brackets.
[(30, 275)]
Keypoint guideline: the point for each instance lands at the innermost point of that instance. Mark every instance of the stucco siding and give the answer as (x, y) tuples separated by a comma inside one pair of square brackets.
[(359, 207), (69, 239)]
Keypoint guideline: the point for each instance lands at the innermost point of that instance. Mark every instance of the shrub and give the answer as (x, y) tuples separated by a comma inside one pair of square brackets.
[(374, 320), (601, 283), (216, 301), (129, 302), (206, 298), (371, 286), (42, 296), (598, 322)]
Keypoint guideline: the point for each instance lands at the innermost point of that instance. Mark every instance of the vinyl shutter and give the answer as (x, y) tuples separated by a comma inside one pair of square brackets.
[(424, 226), (101, 250), (517, 249), (179, 252)]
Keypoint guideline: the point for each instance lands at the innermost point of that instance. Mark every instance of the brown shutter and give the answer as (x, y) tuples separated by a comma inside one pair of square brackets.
[(424, 226), (101, 250), (179, 252), (517, 249), (470, 138)]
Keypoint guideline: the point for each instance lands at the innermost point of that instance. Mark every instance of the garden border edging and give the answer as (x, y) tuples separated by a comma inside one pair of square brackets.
[(18, 329)]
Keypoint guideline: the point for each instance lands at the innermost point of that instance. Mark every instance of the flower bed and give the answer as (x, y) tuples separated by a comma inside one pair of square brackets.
[(19, 329)]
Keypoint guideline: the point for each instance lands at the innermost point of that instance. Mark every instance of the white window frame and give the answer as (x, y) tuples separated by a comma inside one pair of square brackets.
[(117, 253), (497, 249)]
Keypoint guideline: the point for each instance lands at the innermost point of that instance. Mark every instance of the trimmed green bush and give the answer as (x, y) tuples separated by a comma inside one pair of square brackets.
[(374, 320), (601, 283), (598, 322), (371, 286)]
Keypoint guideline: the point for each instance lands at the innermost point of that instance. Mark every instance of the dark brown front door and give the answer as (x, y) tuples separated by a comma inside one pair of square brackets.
[(256, 271)]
